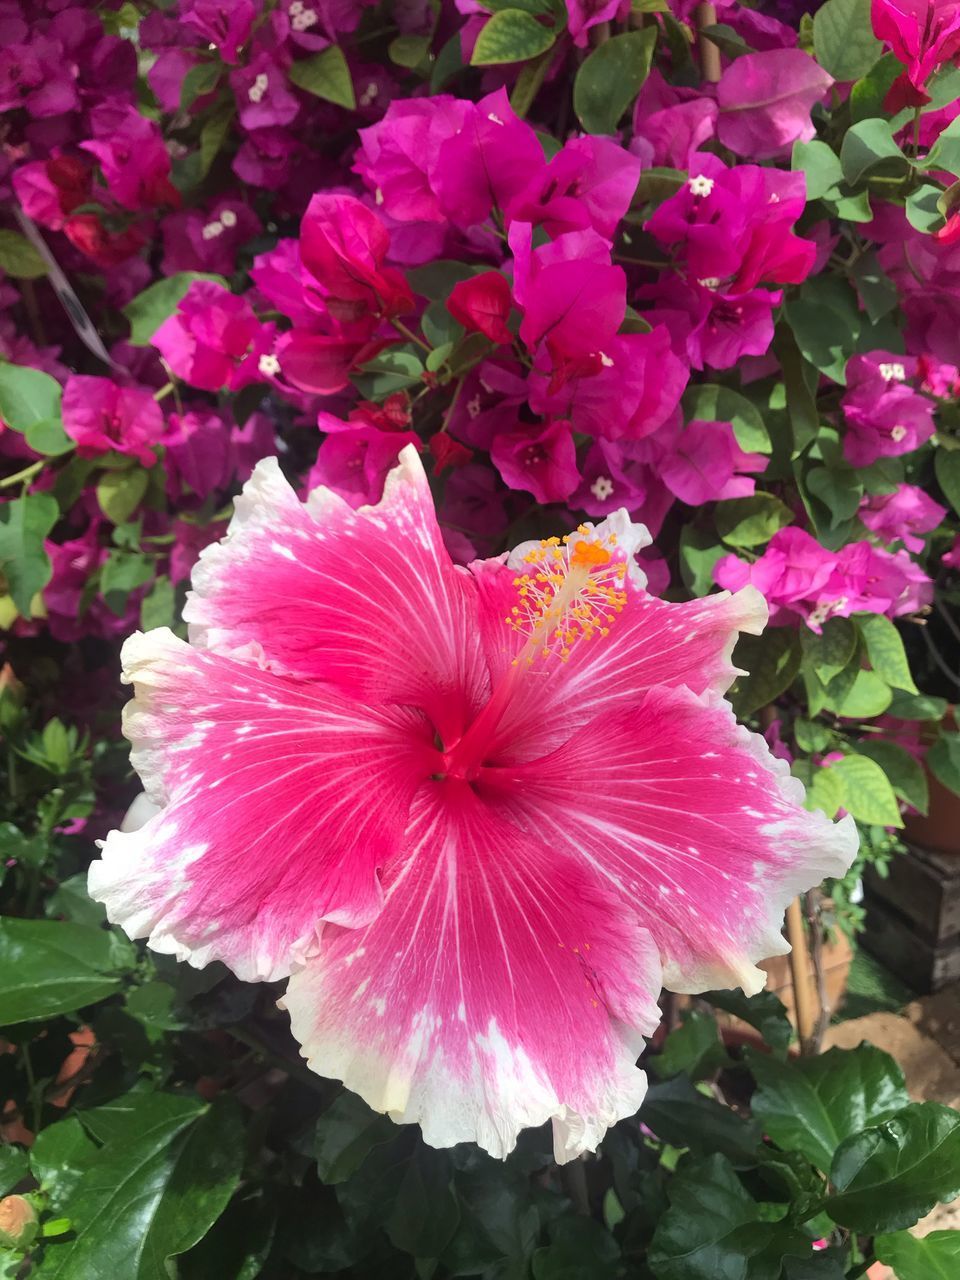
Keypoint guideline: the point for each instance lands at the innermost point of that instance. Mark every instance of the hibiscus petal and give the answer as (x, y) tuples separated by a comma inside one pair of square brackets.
[(281, 800), (694, 824), (500, 986), (651, 642), (368, 598)]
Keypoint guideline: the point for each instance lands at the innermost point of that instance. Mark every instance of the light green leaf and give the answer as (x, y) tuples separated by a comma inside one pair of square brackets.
[(943, 761), (931, 1257), (24, 525), (832, 650), (923, 208), (709, 402), (821, 166), (157, 609), (945, 152), (123, 572), (148, 310), (751, 522), (867, 793), (826, 791), (611, 77), (947, 465), (52, 967), (119, 493), (326, 75), (843, 39), (885, 651), (905, 774), (869, 150), (18, 258), (699, 552), (511, 35), (888, 1177), (27, 397)]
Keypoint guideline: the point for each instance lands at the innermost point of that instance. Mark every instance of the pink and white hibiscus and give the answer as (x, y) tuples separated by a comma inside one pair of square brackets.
[(476, 815)]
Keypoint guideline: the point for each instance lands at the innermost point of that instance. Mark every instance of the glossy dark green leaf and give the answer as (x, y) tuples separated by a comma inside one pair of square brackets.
[(345, 1133), (772, 662), (425, 1214), (52, 967), (611, 77), (59, 1157), (13, 1166), (578, 1247), (811, 1105), (888, 1177), (694, 1048), (683, 1116), (713, 1230), (152, 1195), (326, 75), (765, 1012), (931, 1257)]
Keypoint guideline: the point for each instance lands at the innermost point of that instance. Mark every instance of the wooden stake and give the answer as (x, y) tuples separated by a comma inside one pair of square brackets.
[(705, 15), (804, 999)]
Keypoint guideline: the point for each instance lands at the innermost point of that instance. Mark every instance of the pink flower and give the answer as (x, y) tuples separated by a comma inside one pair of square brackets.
[(765, 101), (885, 416), (951, 558), (343, 245), (793, 570), (264, 96), (588, 184), (398, 155), (198, 241), (224, 23), (213, 340), (354, 460), (904, 514), (482, 305), (923, 34), (103, 417), (132, 155), (713, 328), (198, 453), (704, 464), (477, 814), (541, 459)]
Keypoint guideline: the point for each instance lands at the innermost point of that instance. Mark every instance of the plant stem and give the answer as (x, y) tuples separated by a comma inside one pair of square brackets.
[(410, 335), (26, 474), (164, 391)]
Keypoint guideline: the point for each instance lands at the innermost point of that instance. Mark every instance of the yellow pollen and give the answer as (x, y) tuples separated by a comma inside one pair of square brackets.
[(573, 591)]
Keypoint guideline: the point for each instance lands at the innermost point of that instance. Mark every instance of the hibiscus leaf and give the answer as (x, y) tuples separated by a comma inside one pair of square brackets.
[(811, 1105), (346, 1132), (148, 310), (772, 662), (13, 1166), (890, 1176), (511, 35), (327, 76), (680, 1114), (867, 792), (765, 1012), (24, 526), (843, 38), (693, 1048), (885, 651), (578, 1247), (611, 77), (53, 967), (947, 464), (932, 1257), (904, 773)]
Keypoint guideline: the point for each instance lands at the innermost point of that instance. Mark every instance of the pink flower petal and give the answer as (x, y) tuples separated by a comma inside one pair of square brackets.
[(500, 987), (280, 801), (368, 599), (694, 824)]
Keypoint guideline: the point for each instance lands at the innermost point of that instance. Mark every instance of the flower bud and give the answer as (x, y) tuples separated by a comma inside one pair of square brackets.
[(18, 1223)]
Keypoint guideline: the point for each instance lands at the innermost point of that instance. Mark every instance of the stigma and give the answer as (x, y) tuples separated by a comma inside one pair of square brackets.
[(572, 592)]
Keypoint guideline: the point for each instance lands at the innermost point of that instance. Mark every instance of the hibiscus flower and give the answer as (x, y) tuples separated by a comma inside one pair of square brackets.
[(476, 815)]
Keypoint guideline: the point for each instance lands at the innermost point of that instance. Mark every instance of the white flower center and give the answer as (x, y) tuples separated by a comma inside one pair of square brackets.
[(606, 360), (473, 406), (378, 196), (602, 488), (269, 365), (709, 282), (701, 185), (259, 88), (369, 94), (303, 20), (494, 119), (228, 218), (898, 433), (212, 230), (894, 372)]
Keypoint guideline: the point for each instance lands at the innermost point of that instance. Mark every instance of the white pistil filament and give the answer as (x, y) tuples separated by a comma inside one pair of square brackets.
[(572, 593)]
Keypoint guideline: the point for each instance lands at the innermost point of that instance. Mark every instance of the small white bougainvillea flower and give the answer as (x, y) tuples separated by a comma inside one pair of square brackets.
[(477, 814)]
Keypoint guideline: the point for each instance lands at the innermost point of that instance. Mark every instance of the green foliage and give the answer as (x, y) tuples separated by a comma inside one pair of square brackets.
[(933, 1257), (18, 258), (52, 967), (148, 310), (611, 77), (327, 76), (24, 525), (843, 38), (511, 35)]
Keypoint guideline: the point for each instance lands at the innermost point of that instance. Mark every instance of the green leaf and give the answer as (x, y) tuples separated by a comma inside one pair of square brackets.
[(346, 1132), (119, 493), (49, 438), (578, 1247), (201, 79), (839, 489), (148, 310), (811, 736), (867, 793), (799, 386), (869, 150), (826, 323), (917, 707), (843, 39), (693, 1048), (24, 525), (511, 35), (821, 166), (947, 465), (885, 651), (699, 552), (681, 1115), (868, 94), (13, 1167), (213, 134), (904, 774), (750, 522), (832, 650), (709, 402), (889, 1177), (392, 370), (611, 77), (327, 76), (157, 609), (425, 1213), (59, 1158), (932, 1257), (18, 258), (765, 1012), (27, 397), (772, 662), (923, 208), (448, 65), (122, 573), (811, 1105), (713, 1230), (876, 290), (153, 1194), (826, 791), (945, 152), (943, 761), (52, 967), (409, 51), (866, 697), (529, 83)]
